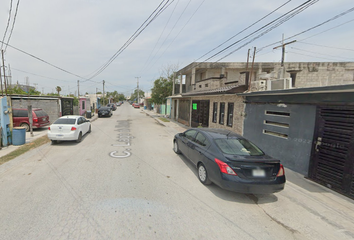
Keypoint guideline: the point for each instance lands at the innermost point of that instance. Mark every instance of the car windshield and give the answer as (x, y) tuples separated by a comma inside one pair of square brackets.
[(65, 121), (235, 146)]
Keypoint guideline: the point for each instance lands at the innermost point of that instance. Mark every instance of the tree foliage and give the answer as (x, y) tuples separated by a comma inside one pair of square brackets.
[(161, 90), (134, 96), (58, 89), (17, 90)]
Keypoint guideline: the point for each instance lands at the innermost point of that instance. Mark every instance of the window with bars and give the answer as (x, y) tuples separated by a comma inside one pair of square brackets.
[(222, 113), (230, 114), (215, 112)]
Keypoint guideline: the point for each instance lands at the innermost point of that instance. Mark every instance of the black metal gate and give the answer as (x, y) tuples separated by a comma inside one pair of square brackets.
[(332, 160), (200, 113)]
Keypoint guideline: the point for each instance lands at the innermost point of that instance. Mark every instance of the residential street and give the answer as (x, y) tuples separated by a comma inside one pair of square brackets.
[(123, 181)]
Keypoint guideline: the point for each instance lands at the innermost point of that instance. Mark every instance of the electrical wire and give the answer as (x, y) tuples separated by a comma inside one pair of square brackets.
[(13, 25), (31, 55), (309, 29), (179, 31), (272, 25), (313, 44), (7, 26), (303, 50), (135, 35), (244, 29)]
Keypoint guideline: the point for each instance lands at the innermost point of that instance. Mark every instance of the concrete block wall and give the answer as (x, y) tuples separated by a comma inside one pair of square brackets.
[(50, 106)]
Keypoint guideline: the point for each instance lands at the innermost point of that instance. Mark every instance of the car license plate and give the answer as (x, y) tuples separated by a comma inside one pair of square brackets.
[(60, 135), (43, 119), (258, 173), (103, 113)]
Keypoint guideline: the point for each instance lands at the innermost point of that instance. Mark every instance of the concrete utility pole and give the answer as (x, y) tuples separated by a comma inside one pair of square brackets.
[(78, 93), (138, 88), (103, 92)]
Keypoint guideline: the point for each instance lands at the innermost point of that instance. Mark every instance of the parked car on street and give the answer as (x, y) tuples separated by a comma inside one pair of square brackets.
[(230, 161), (112, 105), (136, 105), (68, 128), (20, 118), (105, 112)]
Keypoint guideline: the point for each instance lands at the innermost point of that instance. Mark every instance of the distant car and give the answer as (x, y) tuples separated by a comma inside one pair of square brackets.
[(20, 118), (230, 161), (136, 105), (69, 128), (105, 112), (112, 105)]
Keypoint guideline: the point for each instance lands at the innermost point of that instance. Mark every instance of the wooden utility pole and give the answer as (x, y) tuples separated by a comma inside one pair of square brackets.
[(250, 80), (3, 67), (283, 53)]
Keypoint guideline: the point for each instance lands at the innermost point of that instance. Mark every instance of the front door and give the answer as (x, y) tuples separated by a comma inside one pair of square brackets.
[(200, 113), (332, 160)]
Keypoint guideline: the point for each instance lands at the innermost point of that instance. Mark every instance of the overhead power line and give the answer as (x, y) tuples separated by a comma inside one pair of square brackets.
[(244, 29), (13, 24), (147, 22), (312, 28), (8, 24), (31, 55), (267, 28)]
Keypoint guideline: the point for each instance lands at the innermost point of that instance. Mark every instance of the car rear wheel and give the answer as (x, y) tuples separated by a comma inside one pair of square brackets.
[(79, 138), (203, 174), (54, 142), (176, 148), (25, 125)]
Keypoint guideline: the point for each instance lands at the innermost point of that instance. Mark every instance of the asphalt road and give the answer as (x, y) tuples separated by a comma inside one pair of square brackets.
[(123, 181)]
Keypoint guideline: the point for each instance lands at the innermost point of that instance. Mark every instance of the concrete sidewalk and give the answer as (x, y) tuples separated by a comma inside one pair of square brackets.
[(37, 133), (313, 189)]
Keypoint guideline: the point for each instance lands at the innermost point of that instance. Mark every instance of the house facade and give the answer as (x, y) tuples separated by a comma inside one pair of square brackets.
[(301, 113)]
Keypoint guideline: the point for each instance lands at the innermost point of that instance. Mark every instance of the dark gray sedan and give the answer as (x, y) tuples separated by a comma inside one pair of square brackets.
[(230, 161)]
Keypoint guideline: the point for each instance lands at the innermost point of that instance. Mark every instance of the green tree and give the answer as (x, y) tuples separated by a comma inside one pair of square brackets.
[(58, 89), (162, 89), (134, 96)]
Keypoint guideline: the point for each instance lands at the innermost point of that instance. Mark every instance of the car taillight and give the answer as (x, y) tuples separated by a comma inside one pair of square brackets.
[(73, 128), (281, 171), (224, 168), (35, 120), (49, 128)]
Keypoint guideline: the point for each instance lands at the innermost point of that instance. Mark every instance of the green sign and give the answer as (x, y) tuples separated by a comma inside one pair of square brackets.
[(195, 106)]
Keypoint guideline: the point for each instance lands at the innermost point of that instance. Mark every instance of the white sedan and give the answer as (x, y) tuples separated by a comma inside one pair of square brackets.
[(69, 128)]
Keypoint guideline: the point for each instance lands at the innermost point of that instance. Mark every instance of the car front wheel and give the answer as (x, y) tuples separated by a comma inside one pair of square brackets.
[(203, 174)]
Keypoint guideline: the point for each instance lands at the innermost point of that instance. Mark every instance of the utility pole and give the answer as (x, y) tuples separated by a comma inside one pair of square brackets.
[(78, 93), (283, 53), (250, 79), (138, 89), (3, 66), (103, 92)]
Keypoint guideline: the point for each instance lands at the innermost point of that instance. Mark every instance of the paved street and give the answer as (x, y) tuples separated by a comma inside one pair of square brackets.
[(123, 181)]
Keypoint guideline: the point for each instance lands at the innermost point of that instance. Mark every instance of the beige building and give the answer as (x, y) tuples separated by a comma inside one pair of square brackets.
[(206, 93)]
